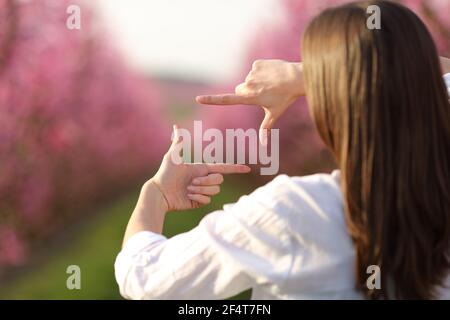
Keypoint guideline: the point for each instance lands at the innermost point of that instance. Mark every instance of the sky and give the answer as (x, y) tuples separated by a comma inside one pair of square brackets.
[(204, 40)]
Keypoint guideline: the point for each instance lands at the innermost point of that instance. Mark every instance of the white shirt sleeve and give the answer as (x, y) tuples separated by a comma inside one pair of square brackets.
[(447, 82), (232, 249)]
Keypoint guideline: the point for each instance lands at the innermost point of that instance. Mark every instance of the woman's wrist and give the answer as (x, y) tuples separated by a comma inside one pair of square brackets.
[(151, 194), (149, 213), (297, 74)]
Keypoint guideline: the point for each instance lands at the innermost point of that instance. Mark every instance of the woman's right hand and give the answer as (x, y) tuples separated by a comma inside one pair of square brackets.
[(272, 84)]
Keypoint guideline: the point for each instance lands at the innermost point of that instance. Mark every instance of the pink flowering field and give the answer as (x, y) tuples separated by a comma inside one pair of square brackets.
[(80, 130)]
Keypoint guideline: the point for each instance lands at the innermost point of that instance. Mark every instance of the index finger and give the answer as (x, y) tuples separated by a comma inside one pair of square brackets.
[(223, 99), (227, 168)]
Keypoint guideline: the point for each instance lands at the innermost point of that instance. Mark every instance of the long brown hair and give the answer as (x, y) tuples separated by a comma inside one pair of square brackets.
[(380, 104)]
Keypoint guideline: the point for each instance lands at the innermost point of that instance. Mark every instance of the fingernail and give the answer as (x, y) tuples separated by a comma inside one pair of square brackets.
[(196, 181), (190, 196), (190, 188)]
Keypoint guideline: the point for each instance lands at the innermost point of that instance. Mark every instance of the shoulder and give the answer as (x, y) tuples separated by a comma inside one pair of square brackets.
[(447, 82), (286, 206), (300, 193), (286, 218), (307, 200), (309, 206)]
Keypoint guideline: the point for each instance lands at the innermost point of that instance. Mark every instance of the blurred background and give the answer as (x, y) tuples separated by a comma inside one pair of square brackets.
[(86, 115)]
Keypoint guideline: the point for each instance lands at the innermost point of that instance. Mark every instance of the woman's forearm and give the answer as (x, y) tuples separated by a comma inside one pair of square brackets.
[(445, 63), (149, 212)]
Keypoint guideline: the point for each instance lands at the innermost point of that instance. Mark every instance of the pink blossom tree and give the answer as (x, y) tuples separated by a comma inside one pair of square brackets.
[(75, 124)]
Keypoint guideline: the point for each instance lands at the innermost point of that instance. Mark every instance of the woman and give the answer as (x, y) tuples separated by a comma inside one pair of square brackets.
[(380, 104)]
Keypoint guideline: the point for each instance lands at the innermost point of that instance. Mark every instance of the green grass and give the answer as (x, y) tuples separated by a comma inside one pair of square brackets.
[(93, 246)]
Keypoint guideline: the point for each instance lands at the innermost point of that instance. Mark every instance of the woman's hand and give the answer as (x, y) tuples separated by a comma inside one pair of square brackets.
[(176, 186), (272, 84), (190, 185)]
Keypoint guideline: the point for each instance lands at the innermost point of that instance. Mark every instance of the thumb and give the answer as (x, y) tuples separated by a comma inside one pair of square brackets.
[(175, 136), (266, 125), (175, 148)]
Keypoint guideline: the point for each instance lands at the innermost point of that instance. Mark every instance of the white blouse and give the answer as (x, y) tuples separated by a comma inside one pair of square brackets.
[(286, 240), (447, 82)]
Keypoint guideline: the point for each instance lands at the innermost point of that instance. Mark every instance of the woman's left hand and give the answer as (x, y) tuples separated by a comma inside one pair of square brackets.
[(272, 84), (190, 185)]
